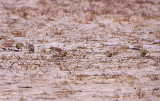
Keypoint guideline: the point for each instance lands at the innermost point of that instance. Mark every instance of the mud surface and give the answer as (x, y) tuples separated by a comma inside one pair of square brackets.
[(84, 50)]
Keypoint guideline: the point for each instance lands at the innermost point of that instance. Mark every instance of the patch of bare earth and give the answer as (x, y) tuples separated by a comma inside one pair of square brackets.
[(80, 50)]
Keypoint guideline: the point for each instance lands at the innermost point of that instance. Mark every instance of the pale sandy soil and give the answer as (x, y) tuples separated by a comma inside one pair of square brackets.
[(103, 40)]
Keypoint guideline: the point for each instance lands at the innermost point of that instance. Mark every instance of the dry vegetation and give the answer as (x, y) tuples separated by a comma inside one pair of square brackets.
[(79, 50)]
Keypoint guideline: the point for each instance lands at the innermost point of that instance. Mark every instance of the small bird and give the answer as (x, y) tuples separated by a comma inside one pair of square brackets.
[(143, 53), (58, 52), (109, 53), (31, 48), (19, 46)]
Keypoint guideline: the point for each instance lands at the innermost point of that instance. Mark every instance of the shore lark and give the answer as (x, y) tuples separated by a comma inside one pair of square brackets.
[(19, 46), (31, 48)]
